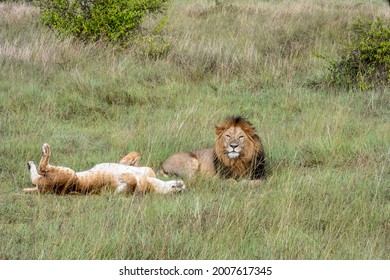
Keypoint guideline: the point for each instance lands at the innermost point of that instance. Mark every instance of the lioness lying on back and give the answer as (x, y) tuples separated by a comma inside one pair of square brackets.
[(237, 153), (124, 177)]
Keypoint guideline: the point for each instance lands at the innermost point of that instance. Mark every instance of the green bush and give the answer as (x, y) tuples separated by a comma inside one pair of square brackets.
[(365, 58), (93, 20)]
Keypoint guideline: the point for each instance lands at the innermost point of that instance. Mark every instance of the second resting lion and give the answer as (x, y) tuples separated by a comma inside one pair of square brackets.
[(238, 153), (125, 177)]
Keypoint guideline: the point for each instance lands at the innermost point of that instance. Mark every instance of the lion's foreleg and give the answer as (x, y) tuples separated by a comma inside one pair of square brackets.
[(131, 159), (256, 182), (150, 184), (31, 190), (143, 186), (128, 184)]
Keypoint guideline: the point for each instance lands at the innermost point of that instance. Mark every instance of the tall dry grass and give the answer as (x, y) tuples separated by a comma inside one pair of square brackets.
[(259, 37)]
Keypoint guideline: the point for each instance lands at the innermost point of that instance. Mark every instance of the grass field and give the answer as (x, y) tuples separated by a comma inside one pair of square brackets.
[(327, 195)]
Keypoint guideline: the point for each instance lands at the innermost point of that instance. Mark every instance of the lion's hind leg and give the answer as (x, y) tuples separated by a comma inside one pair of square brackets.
[(183, 165), (44, 163), (50, 179)]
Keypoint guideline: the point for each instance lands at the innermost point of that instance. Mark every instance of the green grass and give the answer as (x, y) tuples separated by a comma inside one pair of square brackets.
[(327, 195)]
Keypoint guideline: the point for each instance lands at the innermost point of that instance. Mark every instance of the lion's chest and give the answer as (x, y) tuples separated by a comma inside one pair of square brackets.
[(232, 168)]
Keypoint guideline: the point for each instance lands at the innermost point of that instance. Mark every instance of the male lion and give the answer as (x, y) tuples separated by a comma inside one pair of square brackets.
[(237, 153), (117, 177)]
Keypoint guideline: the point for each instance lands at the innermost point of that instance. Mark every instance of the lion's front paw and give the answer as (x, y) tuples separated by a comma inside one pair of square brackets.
[(231, 181)]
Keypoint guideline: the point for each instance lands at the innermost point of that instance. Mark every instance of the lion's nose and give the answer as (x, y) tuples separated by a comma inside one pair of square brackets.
[(234, 146)]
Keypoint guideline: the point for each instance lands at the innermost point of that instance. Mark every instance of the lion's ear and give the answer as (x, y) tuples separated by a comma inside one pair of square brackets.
[(219, 129)]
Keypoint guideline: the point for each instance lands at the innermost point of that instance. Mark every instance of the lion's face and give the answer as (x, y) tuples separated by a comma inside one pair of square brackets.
[(236, 141), (233, 141), (237, 147)]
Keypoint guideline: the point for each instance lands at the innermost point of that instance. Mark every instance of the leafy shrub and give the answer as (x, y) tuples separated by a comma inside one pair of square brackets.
[(92, 20), (365, 59)]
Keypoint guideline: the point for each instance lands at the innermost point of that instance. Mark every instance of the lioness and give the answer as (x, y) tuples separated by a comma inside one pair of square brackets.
[(237, 153), (117, 177)]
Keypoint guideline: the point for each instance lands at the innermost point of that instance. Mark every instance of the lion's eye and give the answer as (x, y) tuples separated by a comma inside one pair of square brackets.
[(227, 137), (241, 138)]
